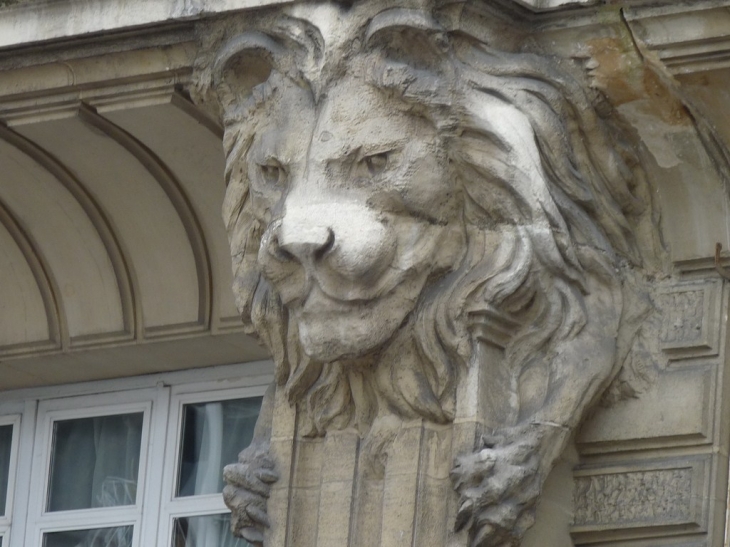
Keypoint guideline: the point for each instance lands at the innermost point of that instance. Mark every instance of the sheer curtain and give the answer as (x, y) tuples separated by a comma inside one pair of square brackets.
[(207, 531), (213, 435), (95, 462)]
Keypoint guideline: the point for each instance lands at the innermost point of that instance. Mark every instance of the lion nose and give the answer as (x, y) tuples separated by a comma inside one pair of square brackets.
[(306, 243)]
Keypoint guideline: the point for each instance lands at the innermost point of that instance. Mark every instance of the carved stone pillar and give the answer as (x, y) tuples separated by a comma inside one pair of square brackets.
[(444, 247)]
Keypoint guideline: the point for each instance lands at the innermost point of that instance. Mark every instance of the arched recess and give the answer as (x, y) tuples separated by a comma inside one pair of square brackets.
[(56, 335), (135, 180), (121, 265), (189, 144), (180, 201)]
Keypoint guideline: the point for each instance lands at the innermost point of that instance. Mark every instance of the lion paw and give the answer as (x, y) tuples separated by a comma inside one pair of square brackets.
[(248, 487), (498, 487)]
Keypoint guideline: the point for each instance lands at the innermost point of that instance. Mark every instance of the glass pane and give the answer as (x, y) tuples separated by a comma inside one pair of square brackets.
[(98, 537), (212, 436), (6, 439), (95, 462), (210, 530)]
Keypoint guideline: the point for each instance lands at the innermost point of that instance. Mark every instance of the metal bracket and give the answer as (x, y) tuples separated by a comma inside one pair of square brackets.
[(724, 273)]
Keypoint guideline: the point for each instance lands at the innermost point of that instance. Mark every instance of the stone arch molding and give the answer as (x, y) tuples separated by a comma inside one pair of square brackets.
[(448, 251), (103, 245)]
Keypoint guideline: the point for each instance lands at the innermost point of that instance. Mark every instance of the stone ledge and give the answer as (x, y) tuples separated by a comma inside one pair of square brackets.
[(27, 22)]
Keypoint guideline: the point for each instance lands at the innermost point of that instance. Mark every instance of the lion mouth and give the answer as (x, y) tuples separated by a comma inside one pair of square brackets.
[(318, 301), (313, 291)]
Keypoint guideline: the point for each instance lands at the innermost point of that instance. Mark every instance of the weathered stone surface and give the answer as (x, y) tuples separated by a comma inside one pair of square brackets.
[(636, 497), (444, 247), (640, 496), (690, 320), (452, 251)]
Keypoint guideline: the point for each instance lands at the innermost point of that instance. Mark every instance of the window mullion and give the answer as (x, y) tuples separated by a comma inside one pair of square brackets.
[(198, 505), (21, 498), (155, 467), (90, 518), (170, 471)]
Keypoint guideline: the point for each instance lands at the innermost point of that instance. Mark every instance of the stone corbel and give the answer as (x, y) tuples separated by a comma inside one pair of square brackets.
[(434, 238)]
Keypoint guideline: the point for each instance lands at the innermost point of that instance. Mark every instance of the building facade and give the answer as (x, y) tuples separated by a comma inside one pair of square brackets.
[(584, 403)]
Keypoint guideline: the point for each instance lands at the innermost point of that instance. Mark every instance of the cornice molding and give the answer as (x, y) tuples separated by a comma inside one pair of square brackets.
[(34, 25), (686, 38)]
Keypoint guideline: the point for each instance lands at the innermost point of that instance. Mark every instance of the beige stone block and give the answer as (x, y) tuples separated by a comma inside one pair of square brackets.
[(677, 408)]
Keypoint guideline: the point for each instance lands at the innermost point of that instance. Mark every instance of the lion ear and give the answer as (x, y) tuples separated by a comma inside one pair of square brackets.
[(245, 61), (408, 36)]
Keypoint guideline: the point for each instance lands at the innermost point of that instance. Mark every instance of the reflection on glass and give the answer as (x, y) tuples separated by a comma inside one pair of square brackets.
[(6, 439), (212, 436), (205, 531), (120, 536), (95, 462)]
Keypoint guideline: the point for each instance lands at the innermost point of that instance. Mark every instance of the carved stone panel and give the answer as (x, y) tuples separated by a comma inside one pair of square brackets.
[(690, 319), (628, 500)]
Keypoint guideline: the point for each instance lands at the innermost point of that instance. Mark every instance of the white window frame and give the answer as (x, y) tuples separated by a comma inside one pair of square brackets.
[(34, 409), (41, 521), (191, 506), (7, 519)]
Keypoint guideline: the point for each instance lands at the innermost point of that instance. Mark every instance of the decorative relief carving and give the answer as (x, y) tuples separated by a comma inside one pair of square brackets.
[(424, 228), (690, 320), (667, 495), (683, 319), (660, 496)]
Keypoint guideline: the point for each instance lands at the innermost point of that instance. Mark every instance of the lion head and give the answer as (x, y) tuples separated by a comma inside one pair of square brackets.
[(398, 197)]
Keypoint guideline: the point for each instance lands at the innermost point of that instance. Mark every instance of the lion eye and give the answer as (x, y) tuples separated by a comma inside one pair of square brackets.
[(376, 163), (272, 174)]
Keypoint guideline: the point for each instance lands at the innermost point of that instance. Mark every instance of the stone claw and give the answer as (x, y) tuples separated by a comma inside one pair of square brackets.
[(498, 487), (464, 514), (248, 487)]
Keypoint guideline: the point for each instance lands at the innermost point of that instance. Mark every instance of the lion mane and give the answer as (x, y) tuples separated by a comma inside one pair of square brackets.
[(529, 249)]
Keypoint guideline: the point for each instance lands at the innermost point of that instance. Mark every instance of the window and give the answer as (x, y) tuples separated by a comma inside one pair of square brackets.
[(127, 463), (90, 468), (9, 426), (211, 429)]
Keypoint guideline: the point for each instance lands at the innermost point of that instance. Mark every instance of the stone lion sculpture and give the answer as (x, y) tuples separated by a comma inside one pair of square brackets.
[(401, 197)]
